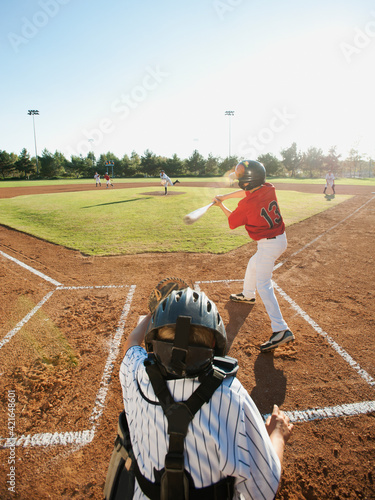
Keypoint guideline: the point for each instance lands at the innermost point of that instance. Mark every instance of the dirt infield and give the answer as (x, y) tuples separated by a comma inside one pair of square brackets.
[(64, 318)]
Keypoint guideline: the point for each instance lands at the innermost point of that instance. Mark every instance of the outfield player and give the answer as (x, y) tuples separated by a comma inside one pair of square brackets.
[(259, 212), (330, 182), (227, 437), (165, 180)]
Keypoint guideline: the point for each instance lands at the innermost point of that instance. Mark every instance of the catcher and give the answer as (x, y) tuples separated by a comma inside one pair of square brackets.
[(190, 429)]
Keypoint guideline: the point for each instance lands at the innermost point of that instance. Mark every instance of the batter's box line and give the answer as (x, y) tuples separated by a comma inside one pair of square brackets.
[(23, 321), (339, 350), (60, 286), (31, 269), (346, 410), (86, 436), (91, 287), (28, 316)]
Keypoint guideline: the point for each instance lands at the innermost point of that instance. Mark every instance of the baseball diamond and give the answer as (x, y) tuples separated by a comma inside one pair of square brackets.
[(65, 317)]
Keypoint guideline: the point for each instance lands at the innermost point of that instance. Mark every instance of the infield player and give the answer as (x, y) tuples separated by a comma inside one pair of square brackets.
[(97, 180), (165, 180), (227, 436), (259, 212), (330, 182), (108, 180)]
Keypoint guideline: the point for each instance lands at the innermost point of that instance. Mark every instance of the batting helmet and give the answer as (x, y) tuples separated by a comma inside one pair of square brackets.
[(251, 172), (183, 309)]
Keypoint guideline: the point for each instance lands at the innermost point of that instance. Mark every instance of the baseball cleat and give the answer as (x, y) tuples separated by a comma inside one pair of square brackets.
[(277, 339), (240, 297)]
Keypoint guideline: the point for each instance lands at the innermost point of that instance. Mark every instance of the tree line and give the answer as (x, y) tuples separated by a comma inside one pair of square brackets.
[(293, 163)]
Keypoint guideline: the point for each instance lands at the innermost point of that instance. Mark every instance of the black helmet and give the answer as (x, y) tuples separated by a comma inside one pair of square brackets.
[(183, 309), (252, 172)]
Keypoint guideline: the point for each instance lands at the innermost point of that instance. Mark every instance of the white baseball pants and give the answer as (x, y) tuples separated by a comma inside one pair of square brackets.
[(258, 277)]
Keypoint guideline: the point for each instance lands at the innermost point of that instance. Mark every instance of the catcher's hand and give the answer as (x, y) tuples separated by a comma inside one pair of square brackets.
[(163, 289)]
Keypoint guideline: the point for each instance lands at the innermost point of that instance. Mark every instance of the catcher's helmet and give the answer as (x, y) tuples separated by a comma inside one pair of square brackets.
[(251, 172), (183, 309)]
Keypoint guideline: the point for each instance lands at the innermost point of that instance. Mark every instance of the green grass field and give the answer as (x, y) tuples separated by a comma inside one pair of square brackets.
[(284, 180), (130, 221)]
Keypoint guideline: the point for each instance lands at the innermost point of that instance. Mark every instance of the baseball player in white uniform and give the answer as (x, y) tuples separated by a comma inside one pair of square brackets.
[(165, 180), (227, 436), (330, 182), (97, 179)]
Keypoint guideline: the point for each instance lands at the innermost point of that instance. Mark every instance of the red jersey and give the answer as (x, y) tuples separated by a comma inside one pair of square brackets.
[(259, 213)]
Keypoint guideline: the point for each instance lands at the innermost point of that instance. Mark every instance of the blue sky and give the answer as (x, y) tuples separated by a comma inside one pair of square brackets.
[(134, 75)]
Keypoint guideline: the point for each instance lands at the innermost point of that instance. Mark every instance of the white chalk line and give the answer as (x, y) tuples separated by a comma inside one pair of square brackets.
[(108, 369), (81, 437), (353, 409), (50, 439), (340, 351), (31, 269), (59, 285), (322, 234), (316, 327), (23, 322), (93, 287), (346, 410), (86, 436)]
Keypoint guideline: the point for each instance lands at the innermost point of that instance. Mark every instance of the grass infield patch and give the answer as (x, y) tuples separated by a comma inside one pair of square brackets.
[(131, 221)]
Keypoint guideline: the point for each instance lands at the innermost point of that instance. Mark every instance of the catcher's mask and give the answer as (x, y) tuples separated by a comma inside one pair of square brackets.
[(251, 172), (182, 309)]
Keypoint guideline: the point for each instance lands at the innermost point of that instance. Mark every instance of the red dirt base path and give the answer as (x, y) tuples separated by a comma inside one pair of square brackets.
[(58, 328)]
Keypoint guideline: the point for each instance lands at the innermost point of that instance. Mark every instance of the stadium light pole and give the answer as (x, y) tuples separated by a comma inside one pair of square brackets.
[(229, 113), (34, 112)]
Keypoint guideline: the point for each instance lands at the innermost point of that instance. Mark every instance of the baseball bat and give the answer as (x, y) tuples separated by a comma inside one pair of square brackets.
[(196, 214)]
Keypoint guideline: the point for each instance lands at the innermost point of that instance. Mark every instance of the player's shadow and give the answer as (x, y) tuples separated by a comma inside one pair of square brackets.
[(270, 383), (115, 202), (237, 316), (329, 197)]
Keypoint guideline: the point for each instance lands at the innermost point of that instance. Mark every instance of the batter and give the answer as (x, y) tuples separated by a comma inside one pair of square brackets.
[(259, 212)]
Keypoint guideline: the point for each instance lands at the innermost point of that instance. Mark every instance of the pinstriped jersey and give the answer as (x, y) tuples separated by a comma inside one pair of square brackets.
[(227, 436)]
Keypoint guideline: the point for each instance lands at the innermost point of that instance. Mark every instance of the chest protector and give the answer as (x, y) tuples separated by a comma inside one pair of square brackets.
[(173, 482)]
